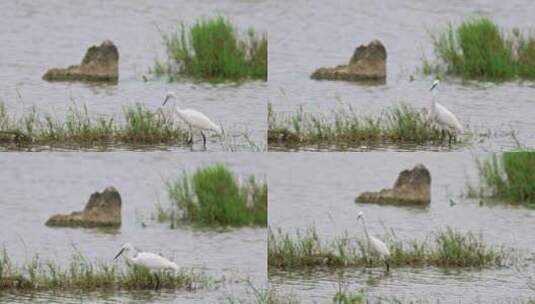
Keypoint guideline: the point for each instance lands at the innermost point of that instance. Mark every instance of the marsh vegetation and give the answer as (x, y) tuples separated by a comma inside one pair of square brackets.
[(508, 177), (80, 128), (82, 274), (137, 127), (447, 248), (479, 49), (213, 50), (399, 124), (213, 196)]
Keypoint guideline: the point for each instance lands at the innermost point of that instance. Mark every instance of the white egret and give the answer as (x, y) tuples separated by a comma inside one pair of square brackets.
[(442, 117), (153, 262), (194, 119), (375, 246)]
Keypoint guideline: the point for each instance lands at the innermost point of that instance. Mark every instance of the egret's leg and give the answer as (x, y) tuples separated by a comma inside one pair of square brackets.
[(203, 138), (387, 266), (190, 139), (150, 282), (449, 138), (157, 281)]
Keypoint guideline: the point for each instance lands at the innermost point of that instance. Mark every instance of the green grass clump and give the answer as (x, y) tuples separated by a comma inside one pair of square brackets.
[(399, 124), (344, 296), (138, 126), (83, 274), (508, 177), (212, 50), (450, 248), (262, 296), (212, 196), (478, 49)]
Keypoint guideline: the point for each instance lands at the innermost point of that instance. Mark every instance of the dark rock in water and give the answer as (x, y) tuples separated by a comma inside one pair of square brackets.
[(100, 63), (102, 210), (368, 63), (413, 187)]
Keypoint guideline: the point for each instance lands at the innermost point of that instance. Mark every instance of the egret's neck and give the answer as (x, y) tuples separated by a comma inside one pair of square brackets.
[(365, 227), (433, 99)]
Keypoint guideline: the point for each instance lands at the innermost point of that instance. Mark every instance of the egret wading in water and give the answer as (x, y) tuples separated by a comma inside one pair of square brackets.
[(376, 247), (151, 261), (194, 119), (442, 117)]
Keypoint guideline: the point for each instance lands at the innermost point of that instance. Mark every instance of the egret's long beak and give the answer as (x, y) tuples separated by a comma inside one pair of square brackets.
[(433, 86), (166, 99), (118, 254)]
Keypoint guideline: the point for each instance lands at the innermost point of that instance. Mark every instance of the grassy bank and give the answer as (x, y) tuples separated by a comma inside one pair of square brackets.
[(449, 248), (270, 296), (213, 50), (508, 177), (86, 275), (139, 125), (399, 124), (478, 49), (212, 196)]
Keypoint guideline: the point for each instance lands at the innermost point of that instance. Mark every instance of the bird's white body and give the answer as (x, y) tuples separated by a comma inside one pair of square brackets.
[(197, 120), (149, 260), (442, 117), (376, 247), (152, 261)]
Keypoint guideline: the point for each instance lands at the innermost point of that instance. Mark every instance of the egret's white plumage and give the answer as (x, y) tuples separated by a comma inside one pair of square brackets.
[(154, 262), (194, 119), (376, 247), (442, 117)]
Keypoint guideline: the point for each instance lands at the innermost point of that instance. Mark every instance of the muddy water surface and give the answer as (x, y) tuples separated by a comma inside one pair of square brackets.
[(310, 189), (306, 35), (40, 35), (35, 186)]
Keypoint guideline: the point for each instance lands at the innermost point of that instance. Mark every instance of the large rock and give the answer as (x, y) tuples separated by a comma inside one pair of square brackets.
[(413, 187), (100, 63), (102, 210), (368, 63)]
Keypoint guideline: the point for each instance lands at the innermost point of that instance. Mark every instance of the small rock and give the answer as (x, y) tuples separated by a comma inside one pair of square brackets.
[(100, 63), (102, 210), (413, 187), (368, 63)]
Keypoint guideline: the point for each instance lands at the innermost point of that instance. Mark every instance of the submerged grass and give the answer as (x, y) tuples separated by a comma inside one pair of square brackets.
[(212, 196), (270, 296), (478, 49), (86, 275), (345, 296), (212, 50), (508, 177), (398, 124), (259, 295), (139, 126), (450, 248)]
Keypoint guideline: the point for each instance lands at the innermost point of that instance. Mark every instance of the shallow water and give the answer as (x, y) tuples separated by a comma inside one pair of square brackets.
[(307, 35), (321, 189), (37, 36), (37, 185)]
